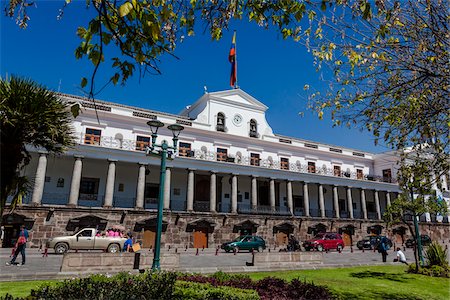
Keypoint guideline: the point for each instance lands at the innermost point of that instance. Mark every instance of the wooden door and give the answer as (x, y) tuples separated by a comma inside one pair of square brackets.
[(347, 239), (200, 238), (282, 238), (148, 240), (398, 239)]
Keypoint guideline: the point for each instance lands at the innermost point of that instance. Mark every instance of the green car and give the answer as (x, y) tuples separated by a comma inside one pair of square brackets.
[(245, 242)]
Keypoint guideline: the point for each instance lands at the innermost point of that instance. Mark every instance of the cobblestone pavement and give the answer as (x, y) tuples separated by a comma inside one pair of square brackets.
[(39, 267)]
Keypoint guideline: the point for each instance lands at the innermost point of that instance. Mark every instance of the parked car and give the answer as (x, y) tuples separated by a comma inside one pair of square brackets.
[(245, 242), (425, 240), (325, 241), (85, 239), (371, 242)]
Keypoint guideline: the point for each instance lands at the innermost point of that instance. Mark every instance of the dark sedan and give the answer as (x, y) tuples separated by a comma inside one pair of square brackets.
[(371, 242), (425, 240), (245, 242)]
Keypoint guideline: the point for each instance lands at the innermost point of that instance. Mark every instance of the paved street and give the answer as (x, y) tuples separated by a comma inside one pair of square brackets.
[(38, 267)]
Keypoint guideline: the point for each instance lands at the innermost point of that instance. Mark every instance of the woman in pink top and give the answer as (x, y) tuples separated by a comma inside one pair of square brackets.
[(116, 233)]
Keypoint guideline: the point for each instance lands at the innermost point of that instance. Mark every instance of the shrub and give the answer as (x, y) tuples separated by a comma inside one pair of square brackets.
[(149, 285), (267, 288), (436, 255), (200, 291), (433, 271)]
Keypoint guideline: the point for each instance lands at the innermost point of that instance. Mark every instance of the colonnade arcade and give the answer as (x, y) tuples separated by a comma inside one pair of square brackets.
[(189, 189)]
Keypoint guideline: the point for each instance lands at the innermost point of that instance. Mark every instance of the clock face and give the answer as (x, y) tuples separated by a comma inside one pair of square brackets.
[(237, 119)]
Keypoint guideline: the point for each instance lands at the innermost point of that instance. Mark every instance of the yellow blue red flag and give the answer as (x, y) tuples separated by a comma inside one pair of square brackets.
[(232, 59)]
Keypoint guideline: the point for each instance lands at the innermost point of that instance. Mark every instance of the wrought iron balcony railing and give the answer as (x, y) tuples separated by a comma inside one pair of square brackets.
[(139, 146)]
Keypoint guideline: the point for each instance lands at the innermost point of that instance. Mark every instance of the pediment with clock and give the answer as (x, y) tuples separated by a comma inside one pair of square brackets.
[(233, 112)]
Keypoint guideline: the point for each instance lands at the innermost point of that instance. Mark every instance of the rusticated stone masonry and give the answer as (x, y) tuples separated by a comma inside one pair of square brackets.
[(50, 221)]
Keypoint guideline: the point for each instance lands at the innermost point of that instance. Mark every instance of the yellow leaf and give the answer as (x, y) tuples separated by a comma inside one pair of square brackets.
[(125, 9)]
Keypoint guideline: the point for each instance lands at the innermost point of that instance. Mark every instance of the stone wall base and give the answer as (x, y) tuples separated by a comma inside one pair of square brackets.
[(179, 229), (115, 262)]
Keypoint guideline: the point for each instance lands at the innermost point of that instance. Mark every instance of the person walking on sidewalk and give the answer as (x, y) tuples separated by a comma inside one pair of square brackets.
[(383, 247), (20, 246)]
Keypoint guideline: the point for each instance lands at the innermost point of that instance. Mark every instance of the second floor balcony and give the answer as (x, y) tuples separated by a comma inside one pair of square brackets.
[(236, 158)]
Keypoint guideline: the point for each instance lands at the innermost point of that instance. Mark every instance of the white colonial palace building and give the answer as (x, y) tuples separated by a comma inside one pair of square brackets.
[(231, 175)]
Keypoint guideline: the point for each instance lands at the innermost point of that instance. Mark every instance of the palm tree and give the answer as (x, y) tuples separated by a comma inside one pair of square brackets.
[(30, 115)]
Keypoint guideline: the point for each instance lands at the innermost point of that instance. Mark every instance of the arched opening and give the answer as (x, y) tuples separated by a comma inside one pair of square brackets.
[(253, 129), (220, 126)]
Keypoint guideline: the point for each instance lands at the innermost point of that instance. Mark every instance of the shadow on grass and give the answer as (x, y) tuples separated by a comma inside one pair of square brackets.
[(380, 275), (377, 295)]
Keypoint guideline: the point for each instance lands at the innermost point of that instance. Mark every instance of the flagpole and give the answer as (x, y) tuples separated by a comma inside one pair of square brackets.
[(235, 61)]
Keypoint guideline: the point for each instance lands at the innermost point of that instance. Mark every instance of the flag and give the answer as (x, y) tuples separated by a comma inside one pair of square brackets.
[(232, 59)]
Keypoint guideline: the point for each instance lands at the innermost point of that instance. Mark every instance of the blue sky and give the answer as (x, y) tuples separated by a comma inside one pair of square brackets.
[(271, 69)]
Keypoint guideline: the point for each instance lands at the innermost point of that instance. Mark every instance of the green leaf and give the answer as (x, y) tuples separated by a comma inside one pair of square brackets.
[(125, 9), (83, 82), (75, 109)]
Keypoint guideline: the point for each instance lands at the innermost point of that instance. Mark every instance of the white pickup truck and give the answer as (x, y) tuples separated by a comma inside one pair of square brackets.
[(85, 239)]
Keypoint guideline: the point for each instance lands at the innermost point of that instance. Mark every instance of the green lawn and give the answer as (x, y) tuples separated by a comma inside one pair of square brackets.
[(21, 288), (375, 282)]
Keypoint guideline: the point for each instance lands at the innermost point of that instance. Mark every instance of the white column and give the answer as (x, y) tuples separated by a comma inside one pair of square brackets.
[(306, 198), (234, 190), (39, 181), (290, 203), (212, 192), (190, 190), (111, 176), (377, 205), (388, 199), (167, 183), (254, 193), (336, 201), (76, 180), (272, 193), (321, 201), (363, 203), (140, 191), (350, 202)]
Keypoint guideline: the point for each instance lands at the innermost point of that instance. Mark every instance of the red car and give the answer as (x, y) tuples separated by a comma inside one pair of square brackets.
[(325, 241)]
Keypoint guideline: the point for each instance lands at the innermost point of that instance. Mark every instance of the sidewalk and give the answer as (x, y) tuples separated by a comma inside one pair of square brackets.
[(46, 268)]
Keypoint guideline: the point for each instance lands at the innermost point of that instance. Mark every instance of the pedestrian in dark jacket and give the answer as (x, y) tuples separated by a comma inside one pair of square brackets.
[(383, 247)]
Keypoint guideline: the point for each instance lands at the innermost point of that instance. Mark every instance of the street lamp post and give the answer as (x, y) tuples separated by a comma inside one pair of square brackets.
[(416, 228), (161, 150)]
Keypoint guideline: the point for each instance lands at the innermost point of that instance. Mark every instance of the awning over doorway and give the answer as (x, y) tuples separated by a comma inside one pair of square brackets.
[(247, 225), (149, 224), (86, 221), (200, 223), (317, 228), (375, 229), (401, 230), (286, 227), (16, 219), (349, 229)]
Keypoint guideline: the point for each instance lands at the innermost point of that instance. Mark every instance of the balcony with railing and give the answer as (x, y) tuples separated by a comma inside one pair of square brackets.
[(222, 157), (262, 209)]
